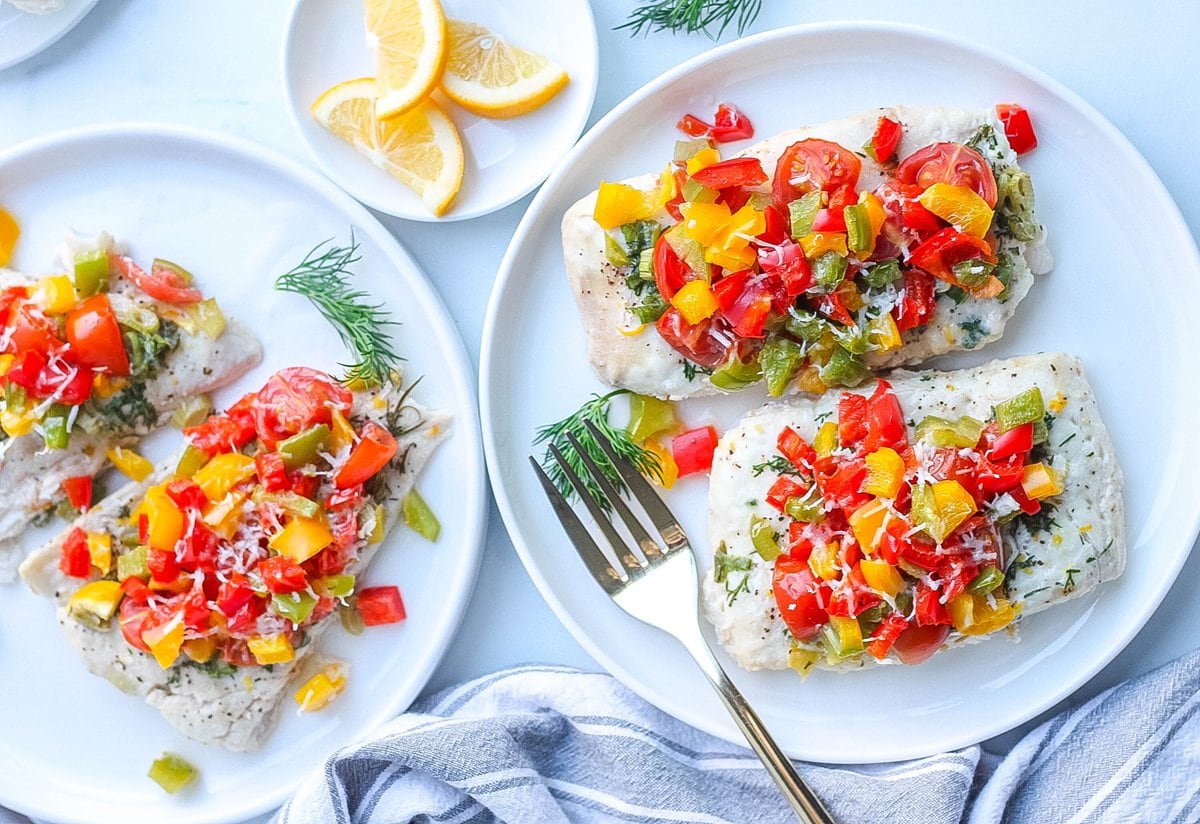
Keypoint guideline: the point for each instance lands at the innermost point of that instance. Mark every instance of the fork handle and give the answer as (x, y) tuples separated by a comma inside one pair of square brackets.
[(803, 801)]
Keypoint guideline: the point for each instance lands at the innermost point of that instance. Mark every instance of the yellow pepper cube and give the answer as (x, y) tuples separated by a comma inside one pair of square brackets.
[(56, 294), (165, 641), (100, 548), (100, 598), (104, 386), (881, 576), (9, 232), (666, 190), (975, 615), (273, 649), (225, 515), (301, 539), (703, 222), (885, 473), (319, 691), (868, 523), (223, 473), (5, 362), (200, 650), (130, 463), (341, 432), (883, 335), (728, 260), (823, 561), (17, 422), (954, 505), (818, 243), (959, 206), (695, 301), (164, 521), (826, 440), (618, 204), (744, 224), (849, 634), (668, 469), (1040, 481), (702, 160)]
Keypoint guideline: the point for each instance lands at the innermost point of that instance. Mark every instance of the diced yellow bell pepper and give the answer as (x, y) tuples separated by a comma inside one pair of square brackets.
[(200, 650), (851, 298), (378, 528), (881, 576), (974, 614), (5, 362), (868, 524), (941, 507), (55, 294), (702, 160), (744, 224), (876, 214), (885, 473), (695, 301), (666, 462), (1040, 480), (17, 422), (104, 386), (130, 463), (165, 641), (703, 222), (225, 515), (666, 190), (100, 548), (730, 261), (301, 539), (809, 380), (223, 473), (826, 440), (802, 660), (618, 204), (823, 561), (98, 598), (818, 243), (274, 649), (883, 334), (319, 691), (9, 232), (164, 521), (959, 206), (849, 633), (341, 432)]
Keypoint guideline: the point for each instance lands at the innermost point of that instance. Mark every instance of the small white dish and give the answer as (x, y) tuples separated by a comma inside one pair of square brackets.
[(325, 43), (23, 34)]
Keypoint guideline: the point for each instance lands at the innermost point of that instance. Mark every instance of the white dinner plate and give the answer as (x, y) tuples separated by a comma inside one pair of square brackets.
[(22, 34), (325, 43), (1124, 255), (76, 749)]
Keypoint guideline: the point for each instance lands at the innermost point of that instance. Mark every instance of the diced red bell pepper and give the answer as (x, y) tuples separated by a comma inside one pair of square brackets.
[(71, 388), (1013, 442), (736, 171), (1018, 128), (136, 588), (245, 620), (1030, 506), (749, 312), (917, 305), (885, 635), (143, 528), (730, 124), (886, 138), (787, 262), (272, 474), (785, 488), (729, 288), (841, 482), (829, 220), (78, 491), (76, 560), (305, 486), (163, 566), (234, 594), (26, 368), (187, 495), (791, 445), (222, 433), (939, 253), (885, 421), (195, 609), (929, 610), (800, 596), (381, 605), (693, 126), (281, 574), (777, 228), (799, 545), (693, 450), (852, 418), (852, 596), (200, 549), (375, 448), (832, 307), (917, 218)]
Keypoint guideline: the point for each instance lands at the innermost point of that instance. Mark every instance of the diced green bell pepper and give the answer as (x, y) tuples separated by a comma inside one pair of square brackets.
[(648, 416), (54, 427), (844, 369), (963, 432), (694, 192), (763, 538), (806, 325), (986, 581), (882, 273), (91, 273), (858, 227), (686, 248), (686, 149), (171, 772), (808, 507), (737, 375), (973, 272), (780, 358), (419, 517), (303, 448), (351, 618), (1027, 407), (334, 586), (294, 606), (842, 637), (829, 269), (293, 502), (132, 564), (802, 212)]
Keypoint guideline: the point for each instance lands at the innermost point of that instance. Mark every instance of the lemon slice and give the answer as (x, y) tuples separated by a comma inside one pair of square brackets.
[(491, 77), (409, 41), (420, 148), (9, 232)]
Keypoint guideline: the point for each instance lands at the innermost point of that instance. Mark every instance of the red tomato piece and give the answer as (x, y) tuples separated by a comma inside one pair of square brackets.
[(1018, 128), (791, 445), (374, 449), (693, 450), (670, 272), (195, 610), (697, 342), (305, 486), (736, 171), (234, 594), (729, 288), (72, 385), (200, 549), (161, 283), (951, 163), (281, 574), (811, 165), (917, 643), (10, 298), (851, 596), (886, 138), (26, 369), (939, 253), (296, 398), (1029, 506), (800, 596), (136, 588), (271, 472), (78, 491), (1013, 442), (787, 263), (918, 303), (76, 560), (31, 330), (381, 605), (885, 421), (829, 220), (245, 620), (133, 617), (885, 635), (227, 432), (749, 312), (730, 124), (95, 337), (852, 419)]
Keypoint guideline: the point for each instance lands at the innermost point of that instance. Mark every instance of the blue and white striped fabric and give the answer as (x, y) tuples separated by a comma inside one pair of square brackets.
[(552, 744)]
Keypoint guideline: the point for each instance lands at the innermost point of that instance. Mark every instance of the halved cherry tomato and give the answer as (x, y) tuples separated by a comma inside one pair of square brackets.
[(693, 450), (1018, 128), (951, 163), (809, 165), (917, 305), (670, 272), (938, 254), (78, 491), (736, 171), (296, 398), (76, 560), (885, 421), (381, 605), (917, 643), (375, 448), (801, 598), (161, 283), (95, 337), (697, 342), (885, 139), (134, 618)]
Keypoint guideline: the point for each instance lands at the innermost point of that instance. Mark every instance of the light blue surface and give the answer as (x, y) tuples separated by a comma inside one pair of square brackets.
[(216, 65)]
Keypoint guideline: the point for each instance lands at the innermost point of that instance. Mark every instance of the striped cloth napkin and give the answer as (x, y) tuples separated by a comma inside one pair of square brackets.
[(547, 744)]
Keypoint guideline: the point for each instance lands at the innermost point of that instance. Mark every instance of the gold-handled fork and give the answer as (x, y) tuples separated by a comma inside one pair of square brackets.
[(658, 586)]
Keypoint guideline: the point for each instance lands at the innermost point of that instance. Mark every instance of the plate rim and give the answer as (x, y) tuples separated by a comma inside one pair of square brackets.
[(422, 215), (70, 21), (721, 726), (461, 376)]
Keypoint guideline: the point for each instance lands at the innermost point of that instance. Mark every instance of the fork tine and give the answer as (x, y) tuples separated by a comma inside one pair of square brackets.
[(660, 516), (649, 546), (627, 562), (593, 558)]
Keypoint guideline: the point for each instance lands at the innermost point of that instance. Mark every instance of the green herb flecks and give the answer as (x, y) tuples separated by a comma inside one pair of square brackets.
[(692, 369), (973, 332), (323, 278), (595, 411), (692, 16), (778, 464), (129, 408), (724, 565)]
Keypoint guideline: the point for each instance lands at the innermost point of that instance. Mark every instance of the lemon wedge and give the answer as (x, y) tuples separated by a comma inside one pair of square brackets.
[(9, 232), (420, 148), (409, 41), (490, 77)]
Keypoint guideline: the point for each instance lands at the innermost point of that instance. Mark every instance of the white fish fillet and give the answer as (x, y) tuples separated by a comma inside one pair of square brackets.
[(645, 363), (222, 711), (1088, 534)]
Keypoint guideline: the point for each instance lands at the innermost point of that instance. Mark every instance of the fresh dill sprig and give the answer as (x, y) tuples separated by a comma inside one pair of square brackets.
[(595, 411), (692, 16), (323, 278)]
